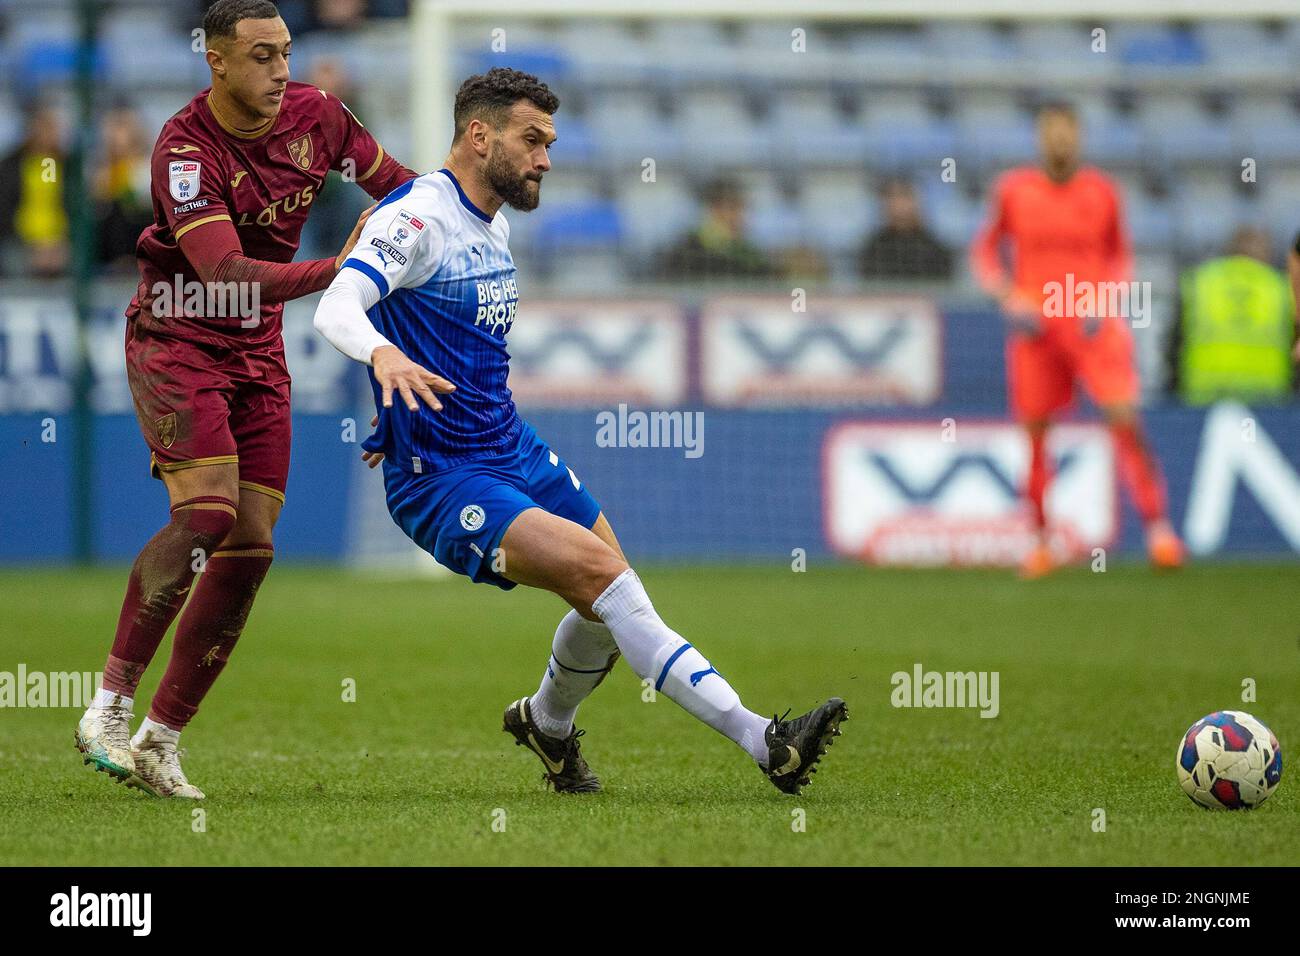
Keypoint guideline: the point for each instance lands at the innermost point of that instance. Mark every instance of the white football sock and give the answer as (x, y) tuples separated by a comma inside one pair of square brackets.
[(107, 698), (657, 652), (160, 732), (581, 655)]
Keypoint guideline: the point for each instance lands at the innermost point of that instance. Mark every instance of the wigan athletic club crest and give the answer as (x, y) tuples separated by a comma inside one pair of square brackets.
[(300, 152)]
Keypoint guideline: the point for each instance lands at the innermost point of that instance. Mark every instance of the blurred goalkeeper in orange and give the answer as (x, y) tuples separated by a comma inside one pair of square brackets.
[(1061, 226)]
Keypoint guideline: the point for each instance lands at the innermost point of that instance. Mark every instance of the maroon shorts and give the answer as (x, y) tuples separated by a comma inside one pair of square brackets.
[(201, 404)]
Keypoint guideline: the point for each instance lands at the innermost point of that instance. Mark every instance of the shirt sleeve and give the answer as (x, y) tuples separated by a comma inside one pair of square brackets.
[(341, 316), (400, 245), (360, 154), (188, 182)]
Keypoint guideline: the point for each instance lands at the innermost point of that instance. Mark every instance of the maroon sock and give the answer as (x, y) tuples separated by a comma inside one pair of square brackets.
[(160, 580), (208, 630)]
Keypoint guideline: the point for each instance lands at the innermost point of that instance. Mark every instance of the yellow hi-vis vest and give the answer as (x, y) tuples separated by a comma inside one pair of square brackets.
[(1238, 325)]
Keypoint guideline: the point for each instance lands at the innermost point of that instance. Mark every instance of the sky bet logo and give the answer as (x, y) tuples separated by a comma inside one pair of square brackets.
[(497, 299)]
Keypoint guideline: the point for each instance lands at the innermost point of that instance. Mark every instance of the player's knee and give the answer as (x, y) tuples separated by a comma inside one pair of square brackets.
[(599, 567)]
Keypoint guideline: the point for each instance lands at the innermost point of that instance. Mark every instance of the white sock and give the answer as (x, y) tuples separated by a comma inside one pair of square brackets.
[(108, 698), (581, 655), (657, 652), (159, 731)]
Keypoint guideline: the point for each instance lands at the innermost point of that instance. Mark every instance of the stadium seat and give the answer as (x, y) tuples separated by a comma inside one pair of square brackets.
[(1149, 217), (577, 224), (603, 51), (1266, 126), (1177, 129), (969, 41), (655, 213), (808, 127), (1281, 202), (953, 213), (718, 126), (1054, 45), (1157, 47), (1208, 206), (903, 132), (995, 128), (1239, 46), (837, 209), (629, 127)]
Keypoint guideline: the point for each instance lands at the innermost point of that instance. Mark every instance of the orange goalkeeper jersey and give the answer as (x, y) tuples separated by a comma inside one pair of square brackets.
[(1049, 230)]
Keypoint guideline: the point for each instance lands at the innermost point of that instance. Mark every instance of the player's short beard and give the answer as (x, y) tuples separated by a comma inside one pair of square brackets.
[(511, 186)]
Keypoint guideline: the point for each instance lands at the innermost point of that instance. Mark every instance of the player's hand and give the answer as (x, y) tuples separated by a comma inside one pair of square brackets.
[(372, 458), (395, 372), (352, 239), (1021, 316)]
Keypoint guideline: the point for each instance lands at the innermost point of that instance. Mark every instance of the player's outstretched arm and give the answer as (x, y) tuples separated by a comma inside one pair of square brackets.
[(341, 318), (217, 255)]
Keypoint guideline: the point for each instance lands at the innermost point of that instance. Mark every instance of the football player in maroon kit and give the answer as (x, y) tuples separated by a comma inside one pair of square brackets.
[(234, 175)]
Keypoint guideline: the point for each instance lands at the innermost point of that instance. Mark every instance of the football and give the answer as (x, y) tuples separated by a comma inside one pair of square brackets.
[(1229, 761)]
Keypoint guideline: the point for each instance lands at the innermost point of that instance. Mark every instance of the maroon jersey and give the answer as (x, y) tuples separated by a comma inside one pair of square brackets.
[(208, 177)]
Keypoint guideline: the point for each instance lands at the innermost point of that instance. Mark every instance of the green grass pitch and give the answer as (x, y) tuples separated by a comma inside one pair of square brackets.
[(1100, 674)]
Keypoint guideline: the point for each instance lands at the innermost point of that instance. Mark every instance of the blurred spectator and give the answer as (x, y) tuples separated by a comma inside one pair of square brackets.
[(120, 186), (33, 213), (903, 248), (338, 14), (717, 248), (337, 206), (1237, 326)]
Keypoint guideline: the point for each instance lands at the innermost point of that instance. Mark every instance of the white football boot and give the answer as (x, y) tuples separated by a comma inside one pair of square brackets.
[(158, 768), (104, 738)]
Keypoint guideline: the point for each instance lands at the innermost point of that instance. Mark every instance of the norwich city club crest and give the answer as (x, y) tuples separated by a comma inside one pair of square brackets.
[(166, 427), (300, 152)]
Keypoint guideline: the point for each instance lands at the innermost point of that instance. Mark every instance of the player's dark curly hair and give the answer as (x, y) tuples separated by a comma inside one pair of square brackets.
[(221, 18), (489, 96)]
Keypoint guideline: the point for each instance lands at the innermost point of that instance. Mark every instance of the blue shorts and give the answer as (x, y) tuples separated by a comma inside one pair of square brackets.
[(460, 514)]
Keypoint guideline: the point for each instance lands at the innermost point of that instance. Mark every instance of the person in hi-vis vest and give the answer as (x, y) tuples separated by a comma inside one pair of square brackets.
[(1237, 327)]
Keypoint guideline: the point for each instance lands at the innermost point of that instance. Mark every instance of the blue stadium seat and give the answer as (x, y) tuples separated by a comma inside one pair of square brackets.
[(994, 130), (1157, 46), (628, 127), (1281, 201), (1177, 129), (1207, 207), (837, 209), (578, 224), (1266, 126), (718, 126), (903, 132), (808, 128), (1055, 45), (1150, 219), (1239, 46), (952, 213), (654, 214), (969, 41)]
